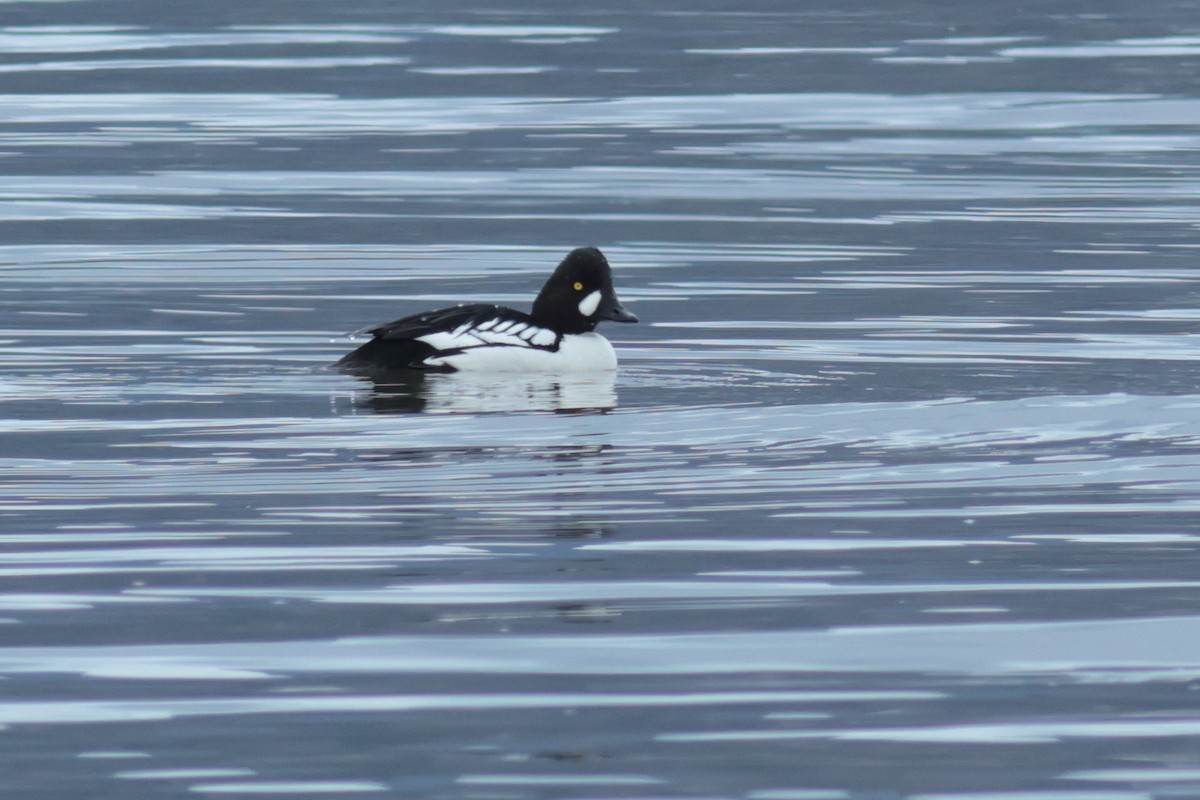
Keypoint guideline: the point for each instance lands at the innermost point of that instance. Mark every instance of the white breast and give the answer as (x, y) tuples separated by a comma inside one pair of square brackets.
[(583, 352)]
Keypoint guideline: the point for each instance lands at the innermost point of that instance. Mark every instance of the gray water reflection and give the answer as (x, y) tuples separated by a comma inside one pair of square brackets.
[(893, 494)]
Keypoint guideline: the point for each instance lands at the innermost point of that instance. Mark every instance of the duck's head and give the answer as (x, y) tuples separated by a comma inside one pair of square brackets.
[(579, 294)]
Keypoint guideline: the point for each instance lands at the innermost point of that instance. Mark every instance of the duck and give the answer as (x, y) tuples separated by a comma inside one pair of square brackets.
[(557, 335)]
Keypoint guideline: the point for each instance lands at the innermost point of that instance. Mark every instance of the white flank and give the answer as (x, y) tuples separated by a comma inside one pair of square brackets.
[(583, 352), (589, 304)]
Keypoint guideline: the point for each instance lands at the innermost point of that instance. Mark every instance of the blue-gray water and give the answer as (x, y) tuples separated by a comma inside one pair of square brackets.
[(896, 493)]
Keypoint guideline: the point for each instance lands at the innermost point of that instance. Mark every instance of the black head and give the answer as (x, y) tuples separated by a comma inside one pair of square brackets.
[(579, 294)]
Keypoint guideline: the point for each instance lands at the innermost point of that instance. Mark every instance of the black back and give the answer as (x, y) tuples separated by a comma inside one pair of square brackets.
[(396, 346)]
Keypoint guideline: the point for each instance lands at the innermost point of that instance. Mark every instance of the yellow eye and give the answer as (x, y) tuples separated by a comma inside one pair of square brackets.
[(578, 286)]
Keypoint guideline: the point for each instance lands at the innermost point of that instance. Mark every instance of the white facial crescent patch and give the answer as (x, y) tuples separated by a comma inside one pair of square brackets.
[(588, 305)]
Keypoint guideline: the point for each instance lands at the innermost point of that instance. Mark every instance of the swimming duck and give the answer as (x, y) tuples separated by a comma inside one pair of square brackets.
[(557, 335)]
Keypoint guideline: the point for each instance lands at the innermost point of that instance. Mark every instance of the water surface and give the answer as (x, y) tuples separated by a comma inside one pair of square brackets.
[(893, 495)]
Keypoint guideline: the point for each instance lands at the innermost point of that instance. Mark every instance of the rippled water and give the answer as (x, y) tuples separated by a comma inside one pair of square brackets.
[(894, 495)]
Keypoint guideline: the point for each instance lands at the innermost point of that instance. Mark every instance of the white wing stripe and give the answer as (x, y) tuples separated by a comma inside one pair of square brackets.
[(513, 334)]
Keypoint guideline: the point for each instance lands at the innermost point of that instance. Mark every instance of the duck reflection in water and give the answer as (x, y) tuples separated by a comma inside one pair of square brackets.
[(407, 391)]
